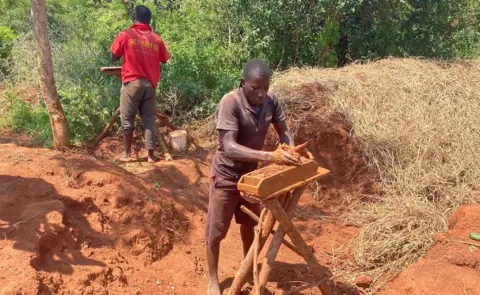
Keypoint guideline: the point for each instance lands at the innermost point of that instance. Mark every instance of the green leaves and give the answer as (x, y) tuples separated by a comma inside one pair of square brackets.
[(210, 40), (6, 41)]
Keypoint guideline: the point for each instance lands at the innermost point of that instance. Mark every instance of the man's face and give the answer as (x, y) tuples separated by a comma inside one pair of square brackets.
[(256, 89)]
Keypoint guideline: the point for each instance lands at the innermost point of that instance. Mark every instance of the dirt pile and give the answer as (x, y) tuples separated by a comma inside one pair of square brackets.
[(311, 117), (450, 266), (73, 225), (64, 214)]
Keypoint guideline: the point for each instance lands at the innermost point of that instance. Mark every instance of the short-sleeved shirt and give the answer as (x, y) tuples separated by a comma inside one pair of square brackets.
[(234, 113), (142, 52)]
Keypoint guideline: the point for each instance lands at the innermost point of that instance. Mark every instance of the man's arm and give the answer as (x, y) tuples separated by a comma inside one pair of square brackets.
[(117, 48), (236, 151), (115, 58), (285, 135), (163, 53)]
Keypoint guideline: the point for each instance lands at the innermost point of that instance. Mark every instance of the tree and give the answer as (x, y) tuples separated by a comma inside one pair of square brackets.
[(58, 121)]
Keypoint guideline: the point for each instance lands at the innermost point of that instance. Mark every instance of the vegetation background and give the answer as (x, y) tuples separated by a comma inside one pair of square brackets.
[(209, 41)]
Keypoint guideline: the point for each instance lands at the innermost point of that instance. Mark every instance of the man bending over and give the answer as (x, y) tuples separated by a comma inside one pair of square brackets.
[(243, 118)]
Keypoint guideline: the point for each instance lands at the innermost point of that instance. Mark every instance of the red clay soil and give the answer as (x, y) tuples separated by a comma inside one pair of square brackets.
[(269, 170), (450, 267), (276, 168), (71, 224)]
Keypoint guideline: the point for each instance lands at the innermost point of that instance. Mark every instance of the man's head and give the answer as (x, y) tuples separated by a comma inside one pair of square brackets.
[(143, 15), (256, 81)]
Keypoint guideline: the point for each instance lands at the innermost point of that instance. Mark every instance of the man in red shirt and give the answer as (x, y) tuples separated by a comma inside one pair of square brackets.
[(142, 52)]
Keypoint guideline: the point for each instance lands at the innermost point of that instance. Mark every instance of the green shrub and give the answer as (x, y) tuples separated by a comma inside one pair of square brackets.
[(7, 37), (210, 40), (6, 41), (33, 121)]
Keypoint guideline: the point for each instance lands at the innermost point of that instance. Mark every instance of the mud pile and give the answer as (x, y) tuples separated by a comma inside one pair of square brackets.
[(70, 224), (312, 118)]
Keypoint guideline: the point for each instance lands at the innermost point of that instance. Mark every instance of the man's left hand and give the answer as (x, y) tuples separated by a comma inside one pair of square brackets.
[(302, 148)]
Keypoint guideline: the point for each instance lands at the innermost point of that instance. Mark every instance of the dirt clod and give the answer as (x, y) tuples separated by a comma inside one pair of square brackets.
[(363, 281)]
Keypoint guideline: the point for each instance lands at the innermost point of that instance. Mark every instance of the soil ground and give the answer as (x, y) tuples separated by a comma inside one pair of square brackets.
[(451, 266), (73, 223)]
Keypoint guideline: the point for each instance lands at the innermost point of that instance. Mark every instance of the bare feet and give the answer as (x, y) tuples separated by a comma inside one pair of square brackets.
[(151, 156), (213, 289)]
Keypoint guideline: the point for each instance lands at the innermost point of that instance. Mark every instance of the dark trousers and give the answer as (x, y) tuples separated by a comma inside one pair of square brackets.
[(139, 95)]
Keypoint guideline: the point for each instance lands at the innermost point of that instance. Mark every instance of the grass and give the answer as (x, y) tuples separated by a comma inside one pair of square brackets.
[(415, 123)]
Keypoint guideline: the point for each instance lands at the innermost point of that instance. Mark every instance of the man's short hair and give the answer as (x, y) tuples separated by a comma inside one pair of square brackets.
[(143, 14), (256, 68)]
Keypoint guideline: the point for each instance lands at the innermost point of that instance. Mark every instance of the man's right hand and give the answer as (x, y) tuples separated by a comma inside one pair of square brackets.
[(279, 156)]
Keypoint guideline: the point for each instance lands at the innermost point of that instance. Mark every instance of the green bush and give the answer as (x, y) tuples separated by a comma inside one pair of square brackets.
[(33, 121), (7, 37), (210, 40), (6, 41)]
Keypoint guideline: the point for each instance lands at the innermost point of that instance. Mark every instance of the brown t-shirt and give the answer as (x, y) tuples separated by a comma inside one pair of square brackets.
[(234, 113)]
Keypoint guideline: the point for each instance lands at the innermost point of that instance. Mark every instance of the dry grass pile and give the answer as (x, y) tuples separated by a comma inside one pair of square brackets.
[(416, 125)]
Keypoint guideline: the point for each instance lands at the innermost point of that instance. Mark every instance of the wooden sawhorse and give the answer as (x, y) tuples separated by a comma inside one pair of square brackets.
[(279, 206)]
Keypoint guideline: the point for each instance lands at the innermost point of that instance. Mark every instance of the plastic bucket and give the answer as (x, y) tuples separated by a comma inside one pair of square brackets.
[(178, 139)]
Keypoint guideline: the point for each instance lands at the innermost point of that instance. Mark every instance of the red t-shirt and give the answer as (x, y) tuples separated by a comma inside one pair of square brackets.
[(142, 52)]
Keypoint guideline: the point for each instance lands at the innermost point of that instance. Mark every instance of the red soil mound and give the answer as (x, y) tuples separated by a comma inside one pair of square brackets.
[(70, 224), (64, 214), (450, 266)]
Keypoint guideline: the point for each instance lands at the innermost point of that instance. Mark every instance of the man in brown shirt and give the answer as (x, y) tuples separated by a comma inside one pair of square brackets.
[(243, 118)]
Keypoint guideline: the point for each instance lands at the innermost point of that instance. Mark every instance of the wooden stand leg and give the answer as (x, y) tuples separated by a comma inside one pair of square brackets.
[(247, 262), (256, 252), (287, 225), (164, 121), (105, 130), (277, 240), (163, 146), (256, 218)]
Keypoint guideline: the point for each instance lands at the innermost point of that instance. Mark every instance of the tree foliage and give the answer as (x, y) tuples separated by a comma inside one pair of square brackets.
[(210, 40)]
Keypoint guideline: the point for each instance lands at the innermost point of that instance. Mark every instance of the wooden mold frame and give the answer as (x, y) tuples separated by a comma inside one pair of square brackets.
[(263, 188), (112, 71)]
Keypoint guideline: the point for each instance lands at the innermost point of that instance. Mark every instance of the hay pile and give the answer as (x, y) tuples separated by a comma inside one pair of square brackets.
[(416, 126)]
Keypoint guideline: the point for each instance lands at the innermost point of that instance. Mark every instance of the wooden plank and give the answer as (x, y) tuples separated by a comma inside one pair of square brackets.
[(267, 185), (253, 192), (249, 180), (247, 189), (320, 172), (285, 222)]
